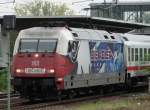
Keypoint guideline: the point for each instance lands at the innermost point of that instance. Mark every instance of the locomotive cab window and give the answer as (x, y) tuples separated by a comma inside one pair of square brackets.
[(47, 45), (37, 45), (28, 45)]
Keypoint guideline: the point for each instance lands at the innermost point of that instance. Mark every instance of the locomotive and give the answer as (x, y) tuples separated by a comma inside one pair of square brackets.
[(49, 61)]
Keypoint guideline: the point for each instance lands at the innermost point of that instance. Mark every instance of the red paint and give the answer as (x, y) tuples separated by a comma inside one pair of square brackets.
[(135, 68), (61, 65)]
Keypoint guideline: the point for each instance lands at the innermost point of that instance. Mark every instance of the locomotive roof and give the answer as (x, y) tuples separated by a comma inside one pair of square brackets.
[(137, 44), (64, 34), (46, 32), (40, 31), (57, 32), (133, 37)]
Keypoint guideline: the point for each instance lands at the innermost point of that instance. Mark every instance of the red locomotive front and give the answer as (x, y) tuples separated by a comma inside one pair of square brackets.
[(37, 67), (35, 58)]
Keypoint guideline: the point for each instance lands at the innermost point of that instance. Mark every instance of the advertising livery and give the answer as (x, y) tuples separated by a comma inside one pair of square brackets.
[(106, 57)]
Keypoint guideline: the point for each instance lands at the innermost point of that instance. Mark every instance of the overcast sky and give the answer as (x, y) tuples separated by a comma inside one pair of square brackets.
[(76, 5)]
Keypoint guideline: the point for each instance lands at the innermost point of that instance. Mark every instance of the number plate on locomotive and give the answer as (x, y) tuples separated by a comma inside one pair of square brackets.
[(35, 70)]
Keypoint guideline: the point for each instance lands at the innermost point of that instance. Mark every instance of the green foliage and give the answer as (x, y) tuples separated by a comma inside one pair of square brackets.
[(3, 80), (42, 8)]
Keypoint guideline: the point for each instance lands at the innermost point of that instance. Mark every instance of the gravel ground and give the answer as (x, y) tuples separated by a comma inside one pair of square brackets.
[(58, 107), (138, 101)]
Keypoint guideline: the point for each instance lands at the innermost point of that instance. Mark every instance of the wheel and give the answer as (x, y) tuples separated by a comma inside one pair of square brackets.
[(59, 96), (101, 91), (71, 94)]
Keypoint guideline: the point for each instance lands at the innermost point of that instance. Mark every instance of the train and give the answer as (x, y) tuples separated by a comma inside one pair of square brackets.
[(53, 61)]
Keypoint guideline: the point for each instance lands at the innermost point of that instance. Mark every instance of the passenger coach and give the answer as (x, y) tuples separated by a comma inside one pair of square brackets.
[(137, 52)]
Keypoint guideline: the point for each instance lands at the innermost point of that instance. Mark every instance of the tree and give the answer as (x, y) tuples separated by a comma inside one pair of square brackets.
[(42, 8)]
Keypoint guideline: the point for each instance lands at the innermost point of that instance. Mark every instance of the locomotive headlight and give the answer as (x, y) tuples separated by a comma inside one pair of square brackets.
[(51, 71), (59, 79), (36, 55), (19, 70)]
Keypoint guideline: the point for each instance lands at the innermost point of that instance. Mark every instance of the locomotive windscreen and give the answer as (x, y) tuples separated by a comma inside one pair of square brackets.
[(37, 45), (47, 45)]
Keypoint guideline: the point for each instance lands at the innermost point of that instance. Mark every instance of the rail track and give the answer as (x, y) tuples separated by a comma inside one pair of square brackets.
[(21, 104), (4, 95), (3, 100), (26, 105)]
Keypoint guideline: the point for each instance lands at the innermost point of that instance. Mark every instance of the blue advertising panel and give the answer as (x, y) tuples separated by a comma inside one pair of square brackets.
[(106, 57)]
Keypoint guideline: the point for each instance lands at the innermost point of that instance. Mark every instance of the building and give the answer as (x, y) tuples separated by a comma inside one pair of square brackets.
[(132, 11)]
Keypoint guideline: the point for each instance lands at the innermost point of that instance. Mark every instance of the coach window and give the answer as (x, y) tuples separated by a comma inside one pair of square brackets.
[(145, 54), (136, 54), (128, 54), (141, 54), (132, 51)]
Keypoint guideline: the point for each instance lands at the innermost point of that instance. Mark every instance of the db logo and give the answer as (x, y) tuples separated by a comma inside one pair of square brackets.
[(35, 63)]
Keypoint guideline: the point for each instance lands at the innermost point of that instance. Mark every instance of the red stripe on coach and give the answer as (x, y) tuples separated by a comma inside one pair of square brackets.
[(133, 68)]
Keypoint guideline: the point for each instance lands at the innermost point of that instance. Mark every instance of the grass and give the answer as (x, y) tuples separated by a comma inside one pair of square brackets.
[(3, 80), (122, 103), (105, 105)]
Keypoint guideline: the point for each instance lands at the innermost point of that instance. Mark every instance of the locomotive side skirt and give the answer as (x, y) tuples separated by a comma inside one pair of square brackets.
[(84, 80)]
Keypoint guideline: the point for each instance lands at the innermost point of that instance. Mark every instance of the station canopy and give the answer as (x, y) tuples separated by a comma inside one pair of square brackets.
[(110, 25)]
